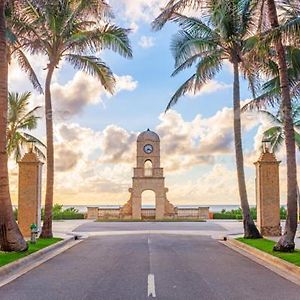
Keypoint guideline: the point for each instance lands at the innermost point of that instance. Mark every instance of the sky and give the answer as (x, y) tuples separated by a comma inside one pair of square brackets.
[(95, 133)]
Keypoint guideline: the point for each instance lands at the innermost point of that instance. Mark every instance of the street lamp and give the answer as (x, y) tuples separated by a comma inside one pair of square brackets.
[(266, 145), (30, 146)]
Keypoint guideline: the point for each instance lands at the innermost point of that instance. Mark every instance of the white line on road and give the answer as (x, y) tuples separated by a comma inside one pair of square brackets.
[(151, 286)]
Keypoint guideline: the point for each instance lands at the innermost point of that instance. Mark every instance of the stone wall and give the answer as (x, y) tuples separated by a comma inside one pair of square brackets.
[(148, 213)]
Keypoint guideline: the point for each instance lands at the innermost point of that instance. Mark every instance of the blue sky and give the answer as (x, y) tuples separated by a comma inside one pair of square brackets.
[(95, 145)]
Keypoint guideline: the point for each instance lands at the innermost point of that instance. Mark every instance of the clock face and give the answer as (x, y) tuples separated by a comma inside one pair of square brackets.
[(148, 148)]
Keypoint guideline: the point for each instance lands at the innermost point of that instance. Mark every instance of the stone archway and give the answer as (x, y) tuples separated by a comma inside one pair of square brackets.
[(148, 175), (148, 199), (148, 204)]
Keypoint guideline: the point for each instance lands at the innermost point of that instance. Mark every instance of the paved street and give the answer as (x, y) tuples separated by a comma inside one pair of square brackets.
[(161, 265), (137, 226)]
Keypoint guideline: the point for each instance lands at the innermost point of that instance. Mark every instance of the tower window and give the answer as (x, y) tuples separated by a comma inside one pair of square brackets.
[(148, 168)]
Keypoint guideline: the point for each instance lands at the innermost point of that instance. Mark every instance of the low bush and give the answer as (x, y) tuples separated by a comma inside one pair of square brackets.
[(236, 214), (64, 214)]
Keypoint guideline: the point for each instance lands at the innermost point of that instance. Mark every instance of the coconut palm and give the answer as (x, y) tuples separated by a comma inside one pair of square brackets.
[(275, 133), (11, 238), (70, 30), (286, 242), (207, 42), (20, 121)]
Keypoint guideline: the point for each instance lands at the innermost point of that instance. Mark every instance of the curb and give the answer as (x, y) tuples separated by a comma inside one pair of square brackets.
[(17, 268), (283, 268)]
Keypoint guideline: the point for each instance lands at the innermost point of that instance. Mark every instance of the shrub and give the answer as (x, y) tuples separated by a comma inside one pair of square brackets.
[(237, 214), (65, 214)]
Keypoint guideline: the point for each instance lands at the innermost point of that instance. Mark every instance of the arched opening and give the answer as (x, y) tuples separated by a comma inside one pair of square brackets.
[(148, 204), (148, 168)]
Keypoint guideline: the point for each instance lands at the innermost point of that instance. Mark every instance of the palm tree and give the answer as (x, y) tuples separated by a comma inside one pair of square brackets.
[(11, 238), (20, 120), (207, 42), (286, 242), (69, 30), (275, 134)]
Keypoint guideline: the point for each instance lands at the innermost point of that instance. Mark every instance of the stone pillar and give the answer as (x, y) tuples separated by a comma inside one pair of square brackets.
[(136, 205), (92, 213), (267, 194), (30, 188), (159, 207)]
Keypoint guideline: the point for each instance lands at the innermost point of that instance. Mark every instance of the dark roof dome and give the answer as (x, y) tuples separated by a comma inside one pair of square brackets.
[(148, 135)]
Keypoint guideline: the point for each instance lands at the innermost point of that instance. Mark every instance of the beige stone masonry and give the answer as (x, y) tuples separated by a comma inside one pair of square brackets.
[(148, 175), (29, 200), (267, 194)]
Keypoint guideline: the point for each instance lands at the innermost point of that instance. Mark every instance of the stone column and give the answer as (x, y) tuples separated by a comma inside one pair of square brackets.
[(136, 204), (267, 194), (159, 206), (30, 188)]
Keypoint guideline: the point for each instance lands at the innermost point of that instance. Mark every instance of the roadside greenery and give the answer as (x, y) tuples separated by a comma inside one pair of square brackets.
[(267, 246), (8, 257), (59, 213), (64, 214), (237, 214)]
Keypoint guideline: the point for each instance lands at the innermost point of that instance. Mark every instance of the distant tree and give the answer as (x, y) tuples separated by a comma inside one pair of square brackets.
[(286, 242), (207, 42), (11, 238), (20, 121), (73, 31)]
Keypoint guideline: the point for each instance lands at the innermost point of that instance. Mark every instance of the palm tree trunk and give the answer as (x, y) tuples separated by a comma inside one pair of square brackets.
[(286, 242), (250, 230), (47, 224), (11, 238)]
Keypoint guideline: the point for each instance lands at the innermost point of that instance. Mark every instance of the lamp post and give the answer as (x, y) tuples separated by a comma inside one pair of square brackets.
[(266, 145), (30, 145)]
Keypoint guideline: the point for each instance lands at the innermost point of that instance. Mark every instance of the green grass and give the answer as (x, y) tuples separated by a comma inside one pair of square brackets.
[(150, 220), (267, 246), (8, 257)]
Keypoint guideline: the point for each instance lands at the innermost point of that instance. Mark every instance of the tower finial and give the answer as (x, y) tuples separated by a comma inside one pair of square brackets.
[(148, 129)]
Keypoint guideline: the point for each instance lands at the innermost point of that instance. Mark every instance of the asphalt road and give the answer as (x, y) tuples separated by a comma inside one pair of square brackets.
[(133, 267), (137, 226)]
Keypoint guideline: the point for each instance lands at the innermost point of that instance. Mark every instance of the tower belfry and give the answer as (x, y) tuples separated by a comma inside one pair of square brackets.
[(148, 175)]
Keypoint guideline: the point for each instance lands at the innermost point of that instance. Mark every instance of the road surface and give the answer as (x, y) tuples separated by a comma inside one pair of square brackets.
[(150, 266)]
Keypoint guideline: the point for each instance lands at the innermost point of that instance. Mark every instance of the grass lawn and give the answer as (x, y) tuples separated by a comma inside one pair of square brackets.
[(267, 246), (8, 257), (150, 220)]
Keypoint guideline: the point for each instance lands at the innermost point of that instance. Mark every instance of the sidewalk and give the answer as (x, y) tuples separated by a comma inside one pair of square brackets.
[(64, 228)]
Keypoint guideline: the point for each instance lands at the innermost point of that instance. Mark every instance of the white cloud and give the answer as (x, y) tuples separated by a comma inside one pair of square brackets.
[(146, 41), (70, 99), (211, 87), (138, 10), (125, 83)]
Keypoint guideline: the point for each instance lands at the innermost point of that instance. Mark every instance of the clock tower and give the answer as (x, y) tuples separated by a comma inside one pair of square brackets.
[(148, 175)]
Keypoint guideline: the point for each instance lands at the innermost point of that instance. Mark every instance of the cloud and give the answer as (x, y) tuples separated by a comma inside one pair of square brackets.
[(125, 83), (185, 144), (146, 41), (71, 98), (66, 159), (138, 10), (210, 87), (117, 145)]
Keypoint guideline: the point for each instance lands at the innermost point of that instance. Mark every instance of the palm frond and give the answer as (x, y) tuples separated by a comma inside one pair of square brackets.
[(94, 67), (184, 46), (27, 68), (297, 139), (271, 118), (176, 6)]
